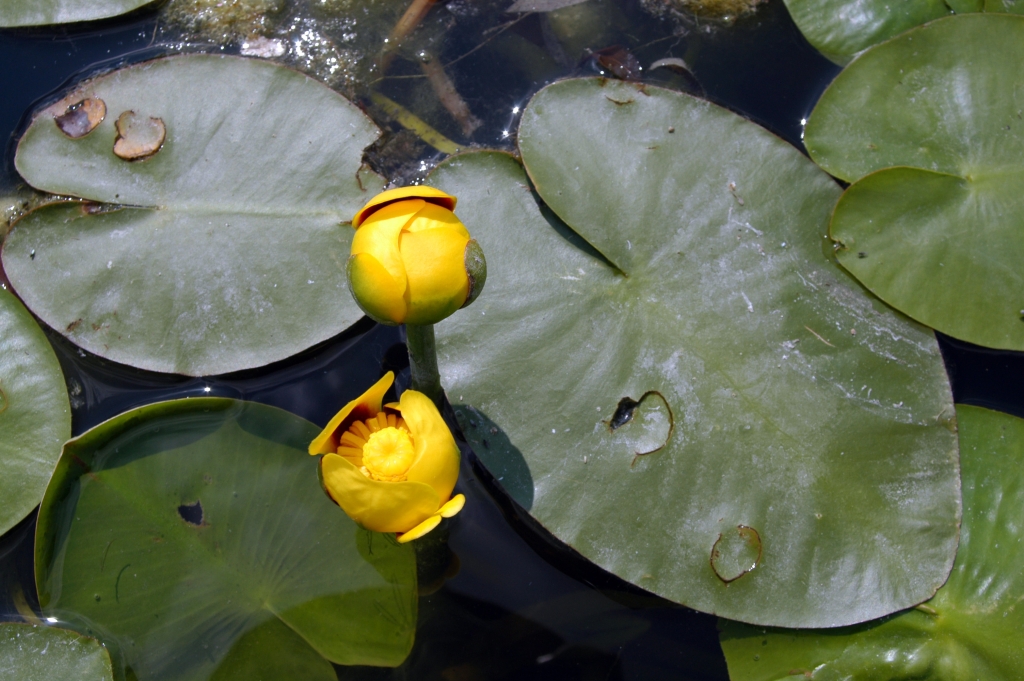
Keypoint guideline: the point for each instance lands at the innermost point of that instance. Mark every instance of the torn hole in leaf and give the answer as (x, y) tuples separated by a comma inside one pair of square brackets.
[(138, 137), (192, 513), (645, 425), (82, 117), (735, 553)]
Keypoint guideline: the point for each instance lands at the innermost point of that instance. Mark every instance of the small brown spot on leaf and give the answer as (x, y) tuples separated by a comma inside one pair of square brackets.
[(82, 117), (735, 553), (73, 325), (138, 136), (618, 102)]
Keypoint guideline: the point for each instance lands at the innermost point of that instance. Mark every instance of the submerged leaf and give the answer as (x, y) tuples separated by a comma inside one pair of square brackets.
[(232, 252), (801, 419), (35, 416), (971, 629), (929, 127), (40, 653), (208, 511)]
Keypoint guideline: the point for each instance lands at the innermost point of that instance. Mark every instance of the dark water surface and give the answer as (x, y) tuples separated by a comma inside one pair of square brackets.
[(516, 605)]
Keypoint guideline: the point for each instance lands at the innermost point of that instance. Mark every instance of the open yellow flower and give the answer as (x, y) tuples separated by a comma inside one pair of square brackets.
[(413, 262), (391, 468)]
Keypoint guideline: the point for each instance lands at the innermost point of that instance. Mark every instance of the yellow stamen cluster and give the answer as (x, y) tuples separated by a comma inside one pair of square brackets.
[(380, 447)]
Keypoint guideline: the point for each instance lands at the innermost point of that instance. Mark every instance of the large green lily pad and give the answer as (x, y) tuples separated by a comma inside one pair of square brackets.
[(929, 128), (840, 29), (228, 251), (194, 535), (41, 12), (35, 416), (40, 653), (786, 421), (970, 630)]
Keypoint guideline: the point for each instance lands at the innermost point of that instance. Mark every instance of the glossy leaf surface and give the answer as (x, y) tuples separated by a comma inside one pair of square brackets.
[(970, 630), (199, 525), (35, 417), (41, 12), (40, 653), (929, 128), (232, 254), (840, 29), (765, 389)]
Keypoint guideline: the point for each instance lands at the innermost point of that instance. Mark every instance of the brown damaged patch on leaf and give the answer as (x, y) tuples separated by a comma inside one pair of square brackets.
[(81, 117), (138, 136), (736, 553)]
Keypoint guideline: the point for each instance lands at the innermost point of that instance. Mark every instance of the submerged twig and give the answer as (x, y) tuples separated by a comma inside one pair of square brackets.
[(450, 98), (411, 121), (409, 21)]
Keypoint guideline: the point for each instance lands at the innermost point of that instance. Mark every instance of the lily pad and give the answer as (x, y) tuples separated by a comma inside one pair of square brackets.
[(840, 29), (219, 247), (35, 416), (790, 405), (970, 630), (930, 128), (39, 653), (193, 535), (41, 12)]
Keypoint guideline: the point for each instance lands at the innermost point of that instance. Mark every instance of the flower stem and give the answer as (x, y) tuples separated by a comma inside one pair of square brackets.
[(423, 361)]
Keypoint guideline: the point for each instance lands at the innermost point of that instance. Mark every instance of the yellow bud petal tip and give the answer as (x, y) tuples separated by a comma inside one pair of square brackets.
[(420, 530), (453, 506)]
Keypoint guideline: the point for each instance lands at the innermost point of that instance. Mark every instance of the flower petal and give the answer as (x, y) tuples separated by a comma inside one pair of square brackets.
[(379, 294), (363, 407), (437, 455), (375, 505), (420, 530), (453, 506), (434, 262), (419, 192), (431, 216), (379, 235)]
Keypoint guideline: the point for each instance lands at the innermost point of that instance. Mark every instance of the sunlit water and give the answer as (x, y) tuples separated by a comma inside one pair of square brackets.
[(516, 604)]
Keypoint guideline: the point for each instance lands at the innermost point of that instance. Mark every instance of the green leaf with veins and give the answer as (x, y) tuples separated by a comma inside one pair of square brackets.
[(723, 397), (228, 252), (971, 629), (840, 29), (35, 416), (929, 127), (208, 512)]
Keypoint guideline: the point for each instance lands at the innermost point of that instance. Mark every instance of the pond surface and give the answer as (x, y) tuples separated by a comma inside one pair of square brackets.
[(515, 604)]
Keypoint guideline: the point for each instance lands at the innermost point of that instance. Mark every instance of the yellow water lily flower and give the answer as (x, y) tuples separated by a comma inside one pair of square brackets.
[(413, 262), (391, 468)]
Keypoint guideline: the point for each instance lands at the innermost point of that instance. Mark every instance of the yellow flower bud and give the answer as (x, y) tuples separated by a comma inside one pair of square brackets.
[(391, 468), (413, 262)]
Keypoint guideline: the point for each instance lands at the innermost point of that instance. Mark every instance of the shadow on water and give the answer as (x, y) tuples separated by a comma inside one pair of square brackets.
[(984, 377), (503, 459)]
